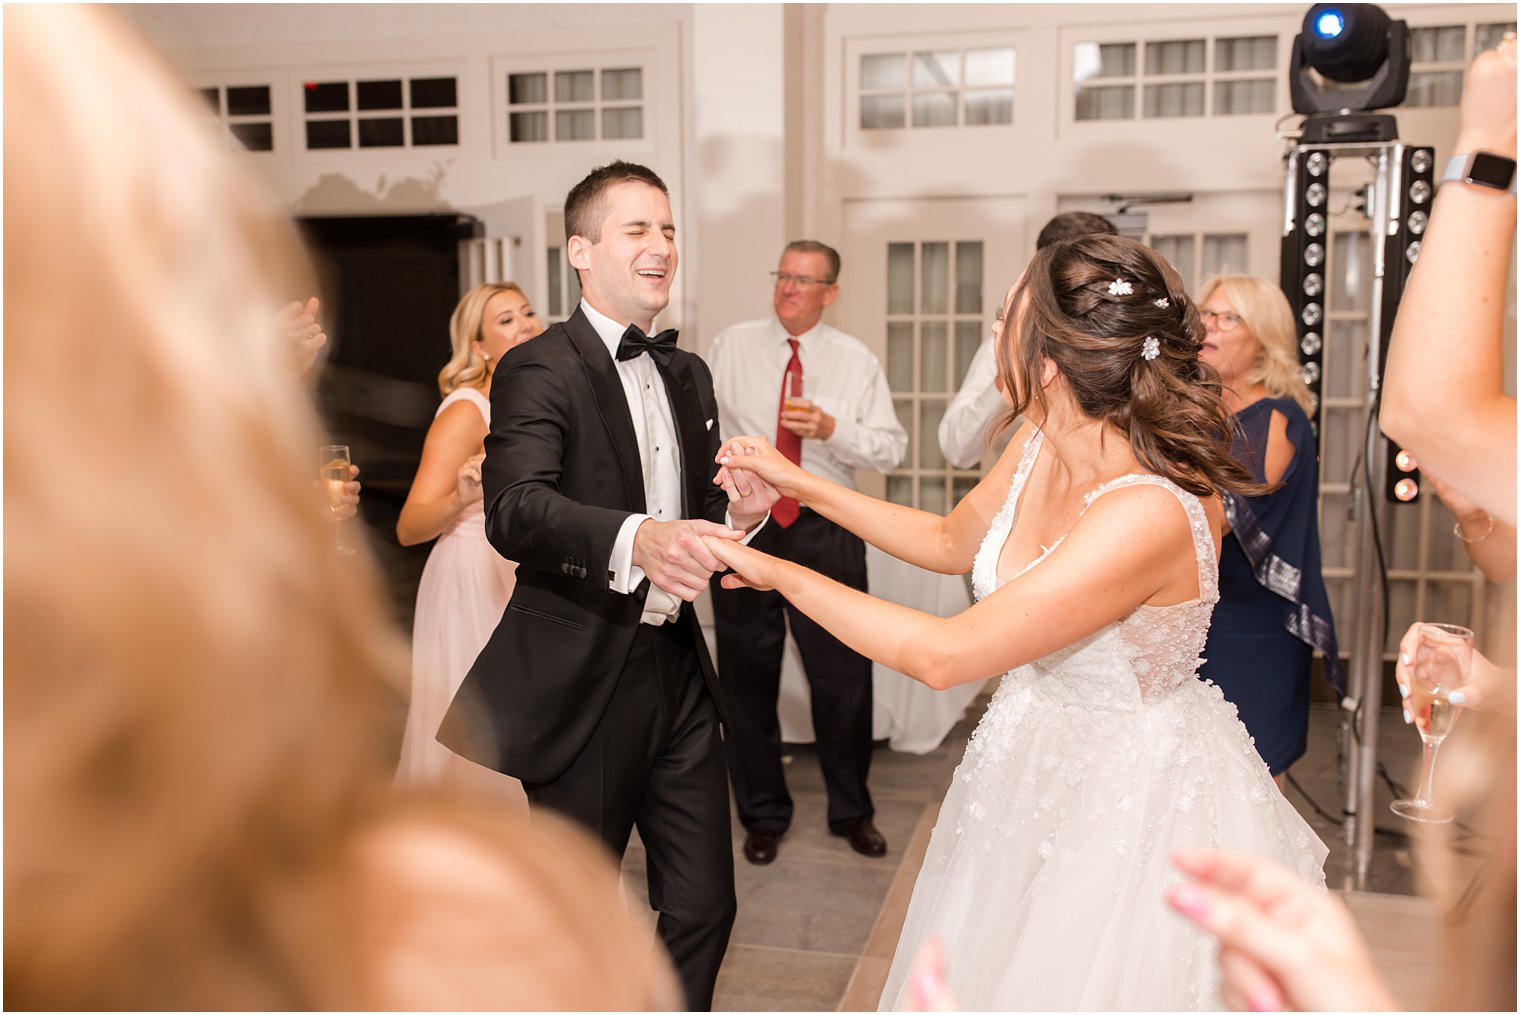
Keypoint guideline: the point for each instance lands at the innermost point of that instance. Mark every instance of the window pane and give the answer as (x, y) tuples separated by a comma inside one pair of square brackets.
[(904, 407), (937, 70), (1400, 608), (623, 123), (248, 100), (1183, 99), (934, 296), (934, 109), (968, 277), (883, 112), (327, 134), (1234, 98), (256, 137), (989, 66), (931, 489), (899, 278), (574, 125), (1451, 601), (556, 280), (433, 93), (529, 126), (884, 70), (622, 85), (968, 339), (900, 355), (1342, 435), (1401, 539), (1447, 44), (1434, 88), (1257, 52), (1335, 535), (1110, 102), (574, 86), (959, 487), (933, 358), (434, 130), (986, 107), (379, 95), (1225, 254), (1179, 251), (527, 88), (213, 97), (326, 97), (383, 133), (900, 490), (931, 411), (1488, 36), (1184, 56), (1103, 60), (1344, 359)]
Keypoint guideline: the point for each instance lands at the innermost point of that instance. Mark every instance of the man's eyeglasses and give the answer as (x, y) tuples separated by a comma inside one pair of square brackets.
[(803, 281), (1226, 321)]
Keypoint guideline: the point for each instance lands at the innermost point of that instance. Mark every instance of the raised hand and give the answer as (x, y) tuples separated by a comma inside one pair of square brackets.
[(756, 455), (676, 555), (808, 422), (1483, 686), (349, 505), (468, 486), (1285, 945), (1488, 102), (297, 325), (751, 568), (749, 496)]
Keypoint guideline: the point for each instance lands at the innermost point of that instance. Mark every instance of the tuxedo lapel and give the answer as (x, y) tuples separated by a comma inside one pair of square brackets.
[(611, 404), (691, 430)]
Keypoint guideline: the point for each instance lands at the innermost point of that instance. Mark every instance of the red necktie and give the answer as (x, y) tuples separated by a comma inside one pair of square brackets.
[(785, 510)]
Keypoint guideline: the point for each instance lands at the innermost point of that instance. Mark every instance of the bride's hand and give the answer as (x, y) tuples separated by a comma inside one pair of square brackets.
[(751, 569), (758, 456)]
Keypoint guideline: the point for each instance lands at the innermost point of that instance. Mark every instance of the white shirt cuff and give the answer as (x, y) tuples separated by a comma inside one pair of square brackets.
[(622, 575), (728, 519)]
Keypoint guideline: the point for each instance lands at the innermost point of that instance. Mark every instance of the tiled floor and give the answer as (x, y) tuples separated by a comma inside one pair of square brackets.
[(816, 930)]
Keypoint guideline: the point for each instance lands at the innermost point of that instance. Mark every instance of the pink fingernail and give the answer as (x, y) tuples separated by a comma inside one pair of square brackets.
[(1190, 901), (1262, 1000)]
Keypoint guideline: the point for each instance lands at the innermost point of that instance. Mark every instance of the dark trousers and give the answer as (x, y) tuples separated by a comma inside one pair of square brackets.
[(656, 762), (751, 628)]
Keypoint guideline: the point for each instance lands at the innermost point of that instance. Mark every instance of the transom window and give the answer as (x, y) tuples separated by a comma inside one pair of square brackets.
[(935, 322), (575, 105), (385, 113), (1439, 57), (245, 110), (936, 88), (1218, 253), (1174, 77)]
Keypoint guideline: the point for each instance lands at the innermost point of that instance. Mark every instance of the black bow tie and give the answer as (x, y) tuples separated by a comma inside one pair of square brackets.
[(634, 343)]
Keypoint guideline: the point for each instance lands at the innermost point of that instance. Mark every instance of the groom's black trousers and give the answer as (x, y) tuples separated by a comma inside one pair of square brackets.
[(751, 637), (656, 762)]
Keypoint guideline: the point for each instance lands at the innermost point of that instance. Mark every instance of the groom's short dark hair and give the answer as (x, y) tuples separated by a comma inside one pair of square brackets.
[(584, 206)]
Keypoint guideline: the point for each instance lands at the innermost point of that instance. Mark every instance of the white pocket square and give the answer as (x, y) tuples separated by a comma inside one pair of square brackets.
[(709, 424)]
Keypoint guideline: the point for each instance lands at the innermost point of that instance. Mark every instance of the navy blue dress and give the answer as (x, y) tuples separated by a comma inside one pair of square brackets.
[(1273, 611)]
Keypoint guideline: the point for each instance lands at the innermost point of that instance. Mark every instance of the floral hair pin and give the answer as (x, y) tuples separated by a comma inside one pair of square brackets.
[(1163, 302), (1119, 287), (1150, 348)]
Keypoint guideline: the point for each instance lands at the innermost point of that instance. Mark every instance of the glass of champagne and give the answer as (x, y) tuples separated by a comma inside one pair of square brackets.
[(1441, 665), (333, 462)]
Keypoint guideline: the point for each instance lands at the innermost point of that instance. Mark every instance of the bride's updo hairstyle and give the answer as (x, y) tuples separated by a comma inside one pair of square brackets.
[(1113, 317)]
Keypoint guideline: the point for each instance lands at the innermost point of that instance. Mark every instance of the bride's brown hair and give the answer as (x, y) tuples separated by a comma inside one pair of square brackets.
[(1089, 305)]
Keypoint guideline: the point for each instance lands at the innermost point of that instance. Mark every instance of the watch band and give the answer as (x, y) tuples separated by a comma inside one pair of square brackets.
[(1482, 169)]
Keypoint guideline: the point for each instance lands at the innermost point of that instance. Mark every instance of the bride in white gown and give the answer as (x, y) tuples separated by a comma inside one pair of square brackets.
[(1093, 546)]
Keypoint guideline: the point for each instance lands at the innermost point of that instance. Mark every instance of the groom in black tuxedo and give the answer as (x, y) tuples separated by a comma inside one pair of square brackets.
[(596, 689)]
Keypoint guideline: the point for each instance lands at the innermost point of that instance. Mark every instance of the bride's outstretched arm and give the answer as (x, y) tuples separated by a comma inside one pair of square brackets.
[(942, 543), (1132, 546)]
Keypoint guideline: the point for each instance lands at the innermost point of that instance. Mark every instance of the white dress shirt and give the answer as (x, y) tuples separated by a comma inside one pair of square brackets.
[(963, 430), (842, 377)]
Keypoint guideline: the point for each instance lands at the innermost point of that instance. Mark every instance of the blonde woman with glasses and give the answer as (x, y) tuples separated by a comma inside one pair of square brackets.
[(1273, 610)]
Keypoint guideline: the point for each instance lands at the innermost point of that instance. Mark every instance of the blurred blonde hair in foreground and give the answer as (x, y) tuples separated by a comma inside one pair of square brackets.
[(202, 704)]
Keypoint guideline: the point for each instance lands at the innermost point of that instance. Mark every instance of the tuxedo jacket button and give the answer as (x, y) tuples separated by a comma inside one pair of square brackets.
[(564, 569)]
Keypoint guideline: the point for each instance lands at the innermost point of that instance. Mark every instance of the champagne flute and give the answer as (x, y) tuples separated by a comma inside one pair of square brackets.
[(1443, 661), (333, 462)]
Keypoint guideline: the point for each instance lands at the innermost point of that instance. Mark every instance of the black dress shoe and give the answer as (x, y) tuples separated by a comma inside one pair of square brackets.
[(760, 847), (864, 838)]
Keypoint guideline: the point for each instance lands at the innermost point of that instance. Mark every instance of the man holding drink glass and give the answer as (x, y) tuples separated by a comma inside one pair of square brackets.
[(823, 395)]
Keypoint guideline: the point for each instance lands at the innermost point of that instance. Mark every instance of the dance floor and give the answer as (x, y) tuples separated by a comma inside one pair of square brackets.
[(817, 928)]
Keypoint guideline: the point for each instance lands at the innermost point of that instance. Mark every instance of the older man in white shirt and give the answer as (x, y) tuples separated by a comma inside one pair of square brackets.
[(820, 394)]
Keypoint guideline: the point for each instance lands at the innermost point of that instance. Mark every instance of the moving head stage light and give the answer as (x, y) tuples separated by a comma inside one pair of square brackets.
[(1347, 60)]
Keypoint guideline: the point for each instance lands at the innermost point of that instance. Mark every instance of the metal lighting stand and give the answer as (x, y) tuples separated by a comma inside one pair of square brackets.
[(1399, 206)]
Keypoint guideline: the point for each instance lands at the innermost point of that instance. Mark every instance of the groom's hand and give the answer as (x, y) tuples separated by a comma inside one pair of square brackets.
[(749, 496), (675, 558)]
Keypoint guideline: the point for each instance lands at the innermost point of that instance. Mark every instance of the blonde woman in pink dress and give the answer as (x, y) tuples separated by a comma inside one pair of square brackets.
[(466, 583)]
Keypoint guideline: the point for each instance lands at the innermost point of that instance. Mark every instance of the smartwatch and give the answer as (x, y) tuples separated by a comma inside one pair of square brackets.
[(1483, 169)]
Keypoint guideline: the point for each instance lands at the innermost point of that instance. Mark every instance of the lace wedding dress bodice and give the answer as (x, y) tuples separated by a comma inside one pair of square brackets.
[(1045, 874)]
